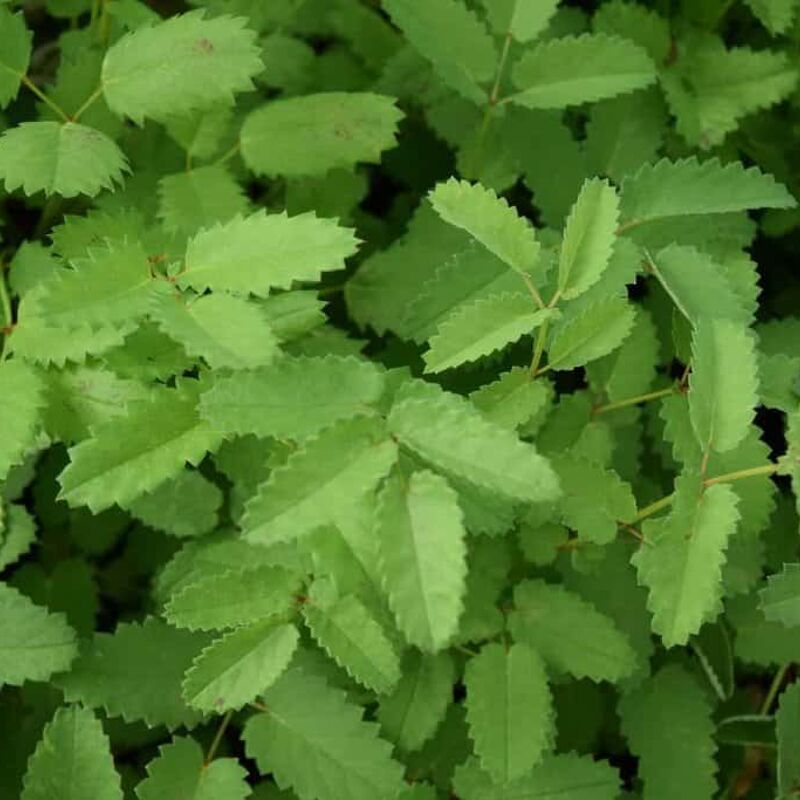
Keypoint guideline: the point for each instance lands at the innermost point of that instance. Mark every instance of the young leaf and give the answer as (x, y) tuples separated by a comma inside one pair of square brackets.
[(476, 329), (21, 402), (509, 709), (315, 742), (181, 64), (572, 70), (780, 599), (489, 220), (62, 158), (682, 564), (318, 132), (33, 643), (422, 556), (327, 475), (569, 633), (589, 237), (179, 770), (72, 758), (15, 53), (723, 387), (266, 401), (254, 254), (453, 435), (238, 666), (591, 334)]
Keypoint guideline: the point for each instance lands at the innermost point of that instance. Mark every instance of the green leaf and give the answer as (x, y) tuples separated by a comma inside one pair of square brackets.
[(453, 435), (569, 633), (318, 132), (787, 723), (21, 403), (325, 476), (522, 19), (17, 534), (233, 597), (422, 556), (474, 330), (676, 765), (251, 255), (780, 599), (775, 15), (315, 742), (223, 330), (33, 643), (132, 455), (723, 386), (572, 70), (489, 220), (678, 188), (136, 673), (15, 54), (416, 706), (184, 63), (509, 709), (589, 236), (592, 333), (238, 666), (72, 760), (747, 730), (682, 564), (62, 158), (179, 770), (451, 37), (353, 638)]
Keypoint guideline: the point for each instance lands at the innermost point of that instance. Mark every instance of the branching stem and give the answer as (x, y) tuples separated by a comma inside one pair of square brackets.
[(54, 107), (633, 401)]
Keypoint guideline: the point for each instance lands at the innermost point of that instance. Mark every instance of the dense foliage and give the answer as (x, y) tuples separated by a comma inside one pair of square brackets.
[(399, 400)]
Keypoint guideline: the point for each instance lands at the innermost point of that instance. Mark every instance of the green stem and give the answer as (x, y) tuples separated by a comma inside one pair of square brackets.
[(752, 472), (532, 291), (773, 690), (31, 86), (212, 751), (632, 401), (538, 348), (229, 154), (653, 508), (49, 213), (8, 317), (90, 101)]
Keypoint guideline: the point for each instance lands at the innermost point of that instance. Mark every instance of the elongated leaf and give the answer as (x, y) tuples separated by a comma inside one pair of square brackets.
[(72, 760), (682, 565), (569, 633), (314, 741), (318, 132), (184, 63), (580, 69), (589, 237), (723, 387), (21, 402), (328, 475), (509, 709), (237, 667), (422, 557), (254, 254), (15, 53), (59, 158)]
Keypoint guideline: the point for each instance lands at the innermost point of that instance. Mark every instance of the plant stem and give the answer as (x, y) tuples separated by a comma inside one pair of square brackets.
[(537, 298), (774, 688), (5, 306), (632, 401), (653, 508), (212, 751), (229, 154), (91, 100), (27, 82), (752, 472), (538, 347), (49, 212)]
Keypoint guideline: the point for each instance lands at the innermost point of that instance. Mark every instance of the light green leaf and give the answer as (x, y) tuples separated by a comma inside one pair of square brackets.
[(323, 478), (21, 403), (523, 19), (72, 760), (136, 672), (775, 15), (182, 64), (569, 633), (17, 533), (513, 399), (780, 599), (489, 220), (682, 564), (572, 70), (422, 556), (237, 667), (509, 709), (592, 333), (254, 254), (315, 133), (132, 455), (589, 236), (293, 398), (476, 329), (233, 597), (33, 643), (15, 54), (448, 431), (224, 330), (315, 742), (59, 158), (180, 771), (723, 386)]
